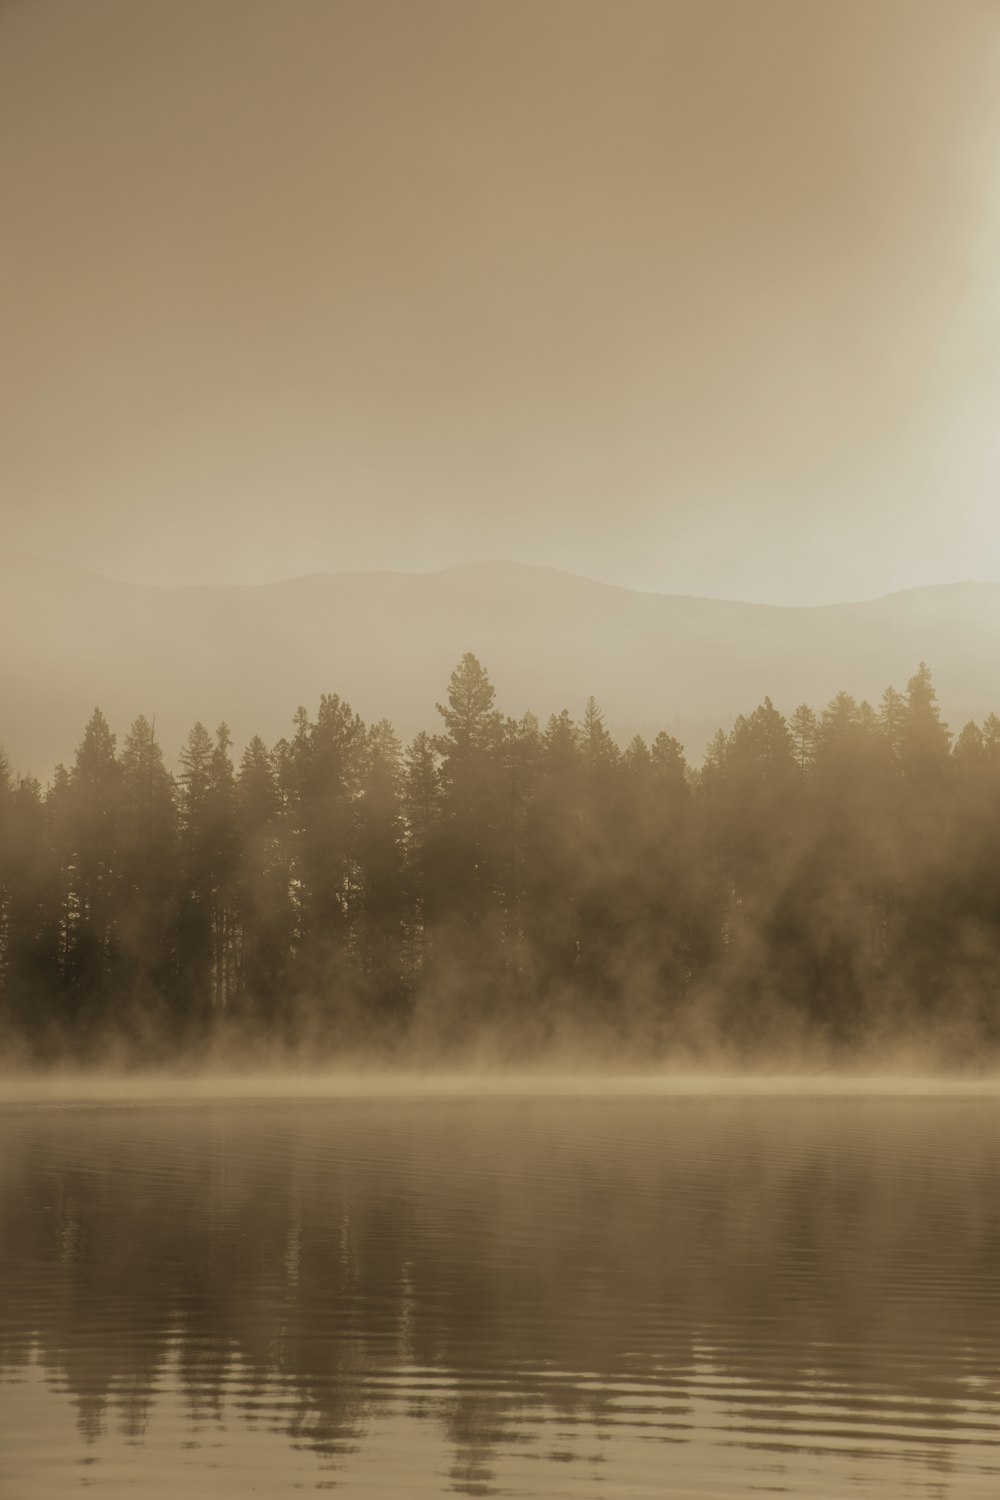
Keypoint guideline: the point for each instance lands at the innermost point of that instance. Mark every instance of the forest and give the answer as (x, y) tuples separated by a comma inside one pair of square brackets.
[(822, 885)]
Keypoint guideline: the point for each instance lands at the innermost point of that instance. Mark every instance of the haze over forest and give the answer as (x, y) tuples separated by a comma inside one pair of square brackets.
[(499, 706), (822, 887), (386, 642), (689, 309)]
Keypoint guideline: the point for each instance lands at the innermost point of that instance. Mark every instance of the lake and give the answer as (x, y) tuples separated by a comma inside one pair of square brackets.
[(516, 1291)]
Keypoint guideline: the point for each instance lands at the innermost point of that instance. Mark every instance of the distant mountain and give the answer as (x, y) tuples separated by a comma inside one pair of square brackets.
[(387, 642)]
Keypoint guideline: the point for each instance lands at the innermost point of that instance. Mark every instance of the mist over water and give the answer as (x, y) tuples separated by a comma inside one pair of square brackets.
[(513, 1114), (577, 1075), (424, 1288)]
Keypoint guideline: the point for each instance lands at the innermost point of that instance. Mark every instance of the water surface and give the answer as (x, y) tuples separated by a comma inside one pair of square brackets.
[(682, 1293)]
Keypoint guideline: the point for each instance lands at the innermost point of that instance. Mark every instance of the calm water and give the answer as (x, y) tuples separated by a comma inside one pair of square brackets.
[(537, 1296)]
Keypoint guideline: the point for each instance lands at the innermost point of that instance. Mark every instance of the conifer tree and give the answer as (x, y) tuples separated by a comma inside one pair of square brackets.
[(382, 896), (223, 854), (554, 871), (36, 1001), (94, 825), (991, 739), (328, 757), (471, 774), (421, 800), (892, 725), (804, 730), (262, 906), (196, 899), (520, 755), (968, 749), (925, 739), (147, 867)]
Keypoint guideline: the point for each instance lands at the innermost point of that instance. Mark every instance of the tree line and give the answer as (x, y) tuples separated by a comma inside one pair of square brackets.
[(831, 879)]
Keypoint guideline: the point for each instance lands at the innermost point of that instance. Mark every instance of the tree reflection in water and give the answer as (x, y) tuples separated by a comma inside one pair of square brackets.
[(534, 1276)]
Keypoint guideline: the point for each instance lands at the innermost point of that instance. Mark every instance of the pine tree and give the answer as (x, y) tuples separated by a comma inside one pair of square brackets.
[(968, 751), (224, 852), (94, 820), (263, 916), (804, 731), (422, 851), (381, 859), (839, 732), (196, 902), (472, 723), (327, 757), (520, 757), (471, 779), (991, 739), (669, 765), (713, 771), (925, 739), (147, 874), (36, 999), (600, 753), (892, 725), (602, 840), (637, 760)]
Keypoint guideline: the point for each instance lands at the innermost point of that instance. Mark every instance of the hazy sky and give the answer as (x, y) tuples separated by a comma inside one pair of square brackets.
[(693, 295)]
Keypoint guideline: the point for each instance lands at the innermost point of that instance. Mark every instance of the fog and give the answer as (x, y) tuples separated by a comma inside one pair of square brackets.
[(816, 895), (499, 748), (697, 297), (67, 1087)]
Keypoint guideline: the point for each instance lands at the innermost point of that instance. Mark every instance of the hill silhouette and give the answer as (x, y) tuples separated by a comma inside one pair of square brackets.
[(386, 642)]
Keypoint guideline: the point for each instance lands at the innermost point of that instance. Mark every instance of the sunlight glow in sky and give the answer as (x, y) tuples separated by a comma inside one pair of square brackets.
[(699, 296)]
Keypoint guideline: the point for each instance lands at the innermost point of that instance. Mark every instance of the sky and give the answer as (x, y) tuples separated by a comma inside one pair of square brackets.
[(697, 296)]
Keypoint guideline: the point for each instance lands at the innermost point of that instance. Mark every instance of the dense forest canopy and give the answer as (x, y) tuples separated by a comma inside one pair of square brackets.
[(824, 883)]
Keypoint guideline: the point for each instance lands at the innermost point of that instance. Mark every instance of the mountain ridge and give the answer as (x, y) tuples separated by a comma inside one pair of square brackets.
[(13, 555), (386, 641)]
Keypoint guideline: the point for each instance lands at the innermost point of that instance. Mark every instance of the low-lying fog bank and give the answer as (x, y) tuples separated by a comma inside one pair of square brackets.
[(166, 1087)]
